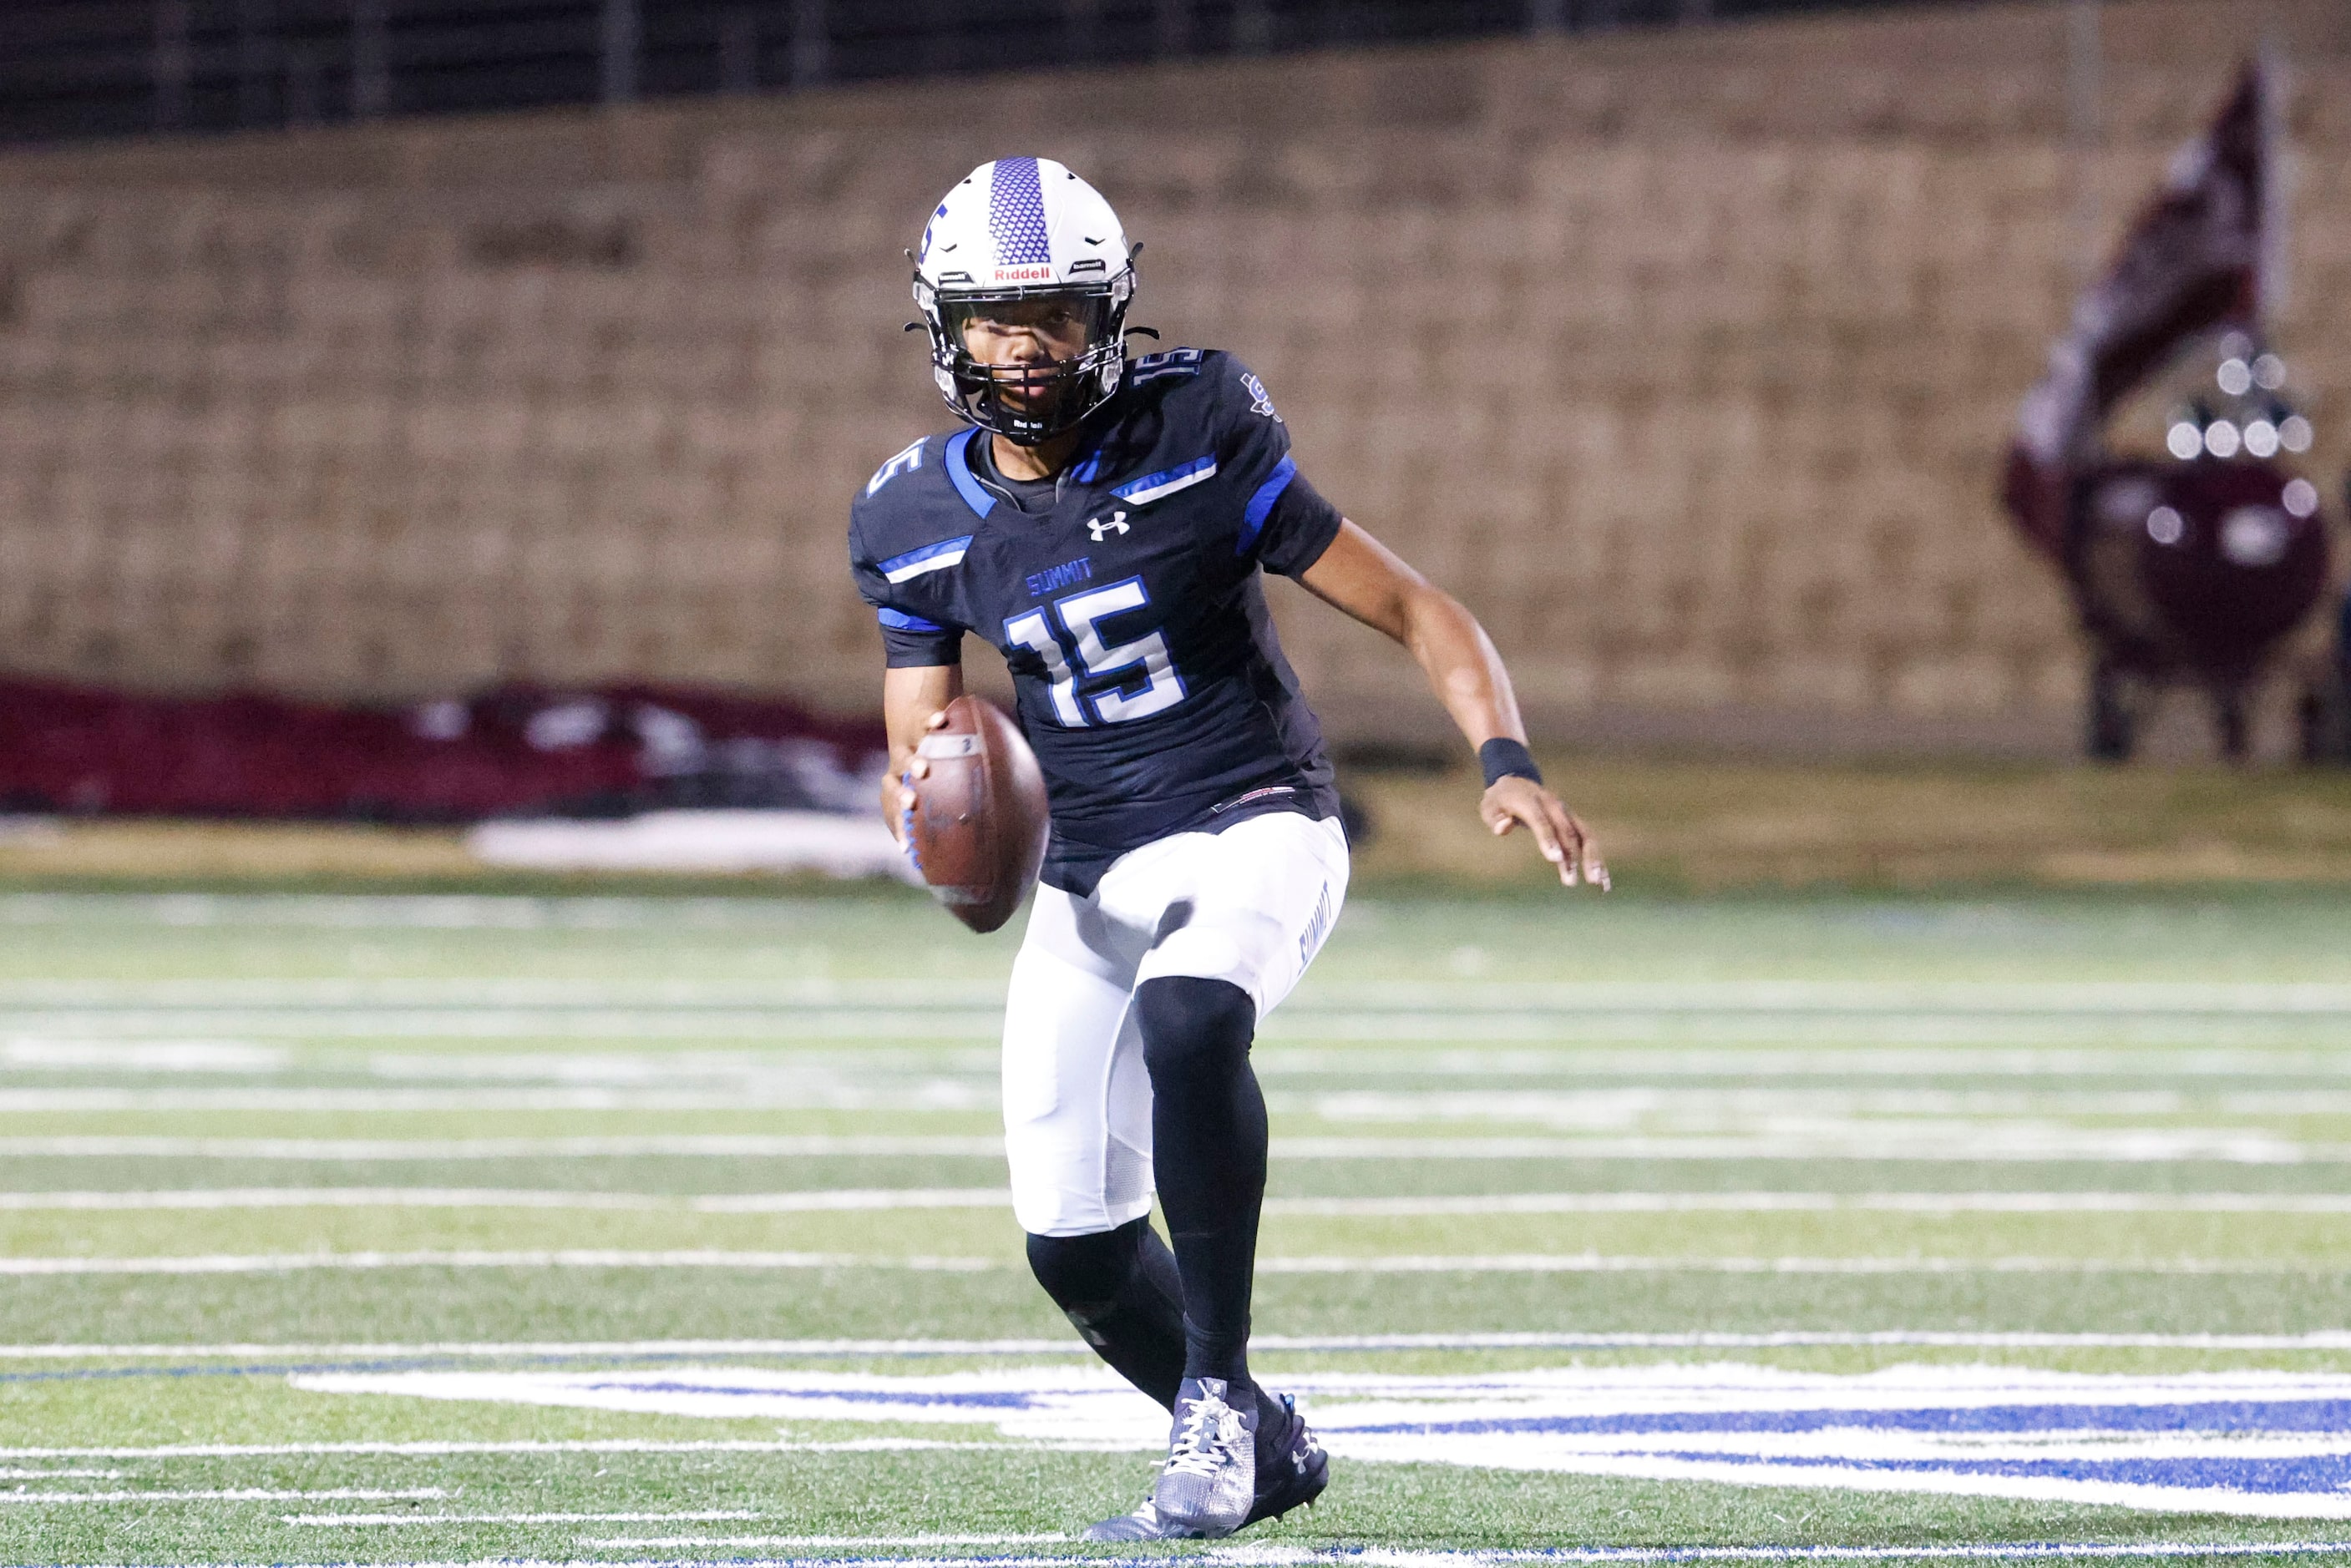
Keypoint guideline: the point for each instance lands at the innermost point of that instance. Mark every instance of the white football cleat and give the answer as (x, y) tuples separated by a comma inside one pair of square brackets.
[(1209, 1483)]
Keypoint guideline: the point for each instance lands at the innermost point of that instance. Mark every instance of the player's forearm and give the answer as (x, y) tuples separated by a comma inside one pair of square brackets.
[(1463, 667), (909, 698)]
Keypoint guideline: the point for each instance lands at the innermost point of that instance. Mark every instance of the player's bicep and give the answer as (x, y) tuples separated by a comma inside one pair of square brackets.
[(1357, 573), (911, 641)]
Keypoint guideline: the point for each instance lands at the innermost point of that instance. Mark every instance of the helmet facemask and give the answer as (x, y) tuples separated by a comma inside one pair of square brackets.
[(1028, 401)]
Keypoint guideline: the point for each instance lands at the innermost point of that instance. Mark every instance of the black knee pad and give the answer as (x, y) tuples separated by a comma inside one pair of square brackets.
[(1192, 1028), (1086, 1272), (1121, 1291)]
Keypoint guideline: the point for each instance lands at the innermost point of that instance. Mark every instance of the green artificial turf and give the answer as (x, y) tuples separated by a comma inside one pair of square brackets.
[(1815, 1115)]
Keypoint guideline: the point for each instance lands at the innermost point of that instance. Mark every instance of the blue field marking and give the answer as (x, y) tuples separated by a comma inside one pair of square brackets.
[(963, 1400), (2255, 1444), (2332, 1416)]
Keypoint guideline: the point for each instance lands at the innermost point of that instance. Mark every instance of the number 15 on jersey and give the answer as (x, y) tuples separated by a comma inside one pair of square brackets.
[(1075, 647)]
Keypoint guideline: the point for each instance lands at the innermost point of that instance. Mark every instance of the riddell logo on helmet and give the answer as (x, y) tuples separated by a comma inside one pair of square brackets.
[(1024, 275)]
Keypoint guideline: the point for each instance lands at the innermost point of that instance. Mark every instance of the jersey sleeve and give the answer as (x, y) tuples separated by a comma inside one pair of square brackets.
[(1286, 524), (910, 639)]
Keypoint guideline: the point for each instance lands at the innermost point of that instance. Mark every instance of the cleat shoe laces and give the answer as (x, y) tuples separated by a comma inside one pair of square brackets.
[(1208, 1486)]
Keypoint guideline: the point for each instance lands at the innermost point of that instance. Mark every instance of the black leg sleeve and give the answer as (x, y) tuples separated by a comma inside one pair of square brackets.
[(1209, 1143), (1119, 1289)]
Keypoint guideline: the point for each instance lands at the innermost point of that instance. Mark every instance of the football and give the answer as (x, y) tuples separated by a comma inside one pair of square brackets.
[(977, 830)]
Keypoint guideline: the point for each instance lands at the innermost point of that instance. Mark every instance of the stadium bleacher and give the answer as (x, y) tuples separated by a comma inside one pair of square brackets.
[(100, 67), (1611, 333)]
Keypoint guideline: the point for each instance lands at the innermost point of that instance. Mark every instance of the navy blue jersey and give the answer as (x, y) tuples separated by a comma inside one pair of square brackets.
[(1133, 615)]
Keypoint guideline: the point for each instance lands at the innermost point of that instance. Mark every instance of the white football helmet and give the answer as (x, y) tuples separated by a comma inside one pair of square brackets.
[(1025, 228)]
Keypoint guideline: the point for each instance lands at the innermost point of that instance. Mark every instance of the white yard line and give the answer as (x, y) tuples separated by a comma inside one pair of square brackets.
[(403, 911), (1356, 1065), (2325, 1340), (821, 1542), (942, 1094), (333, 1198), (1268, 1556), (823, 1200), (826, 1200), (2167, 1551), (433, 1451), (225, 1494), (2093, 998), (560, 1349), (1351, 1068), (579, 1258), (350, 1521), (1614, 1108), (784, 1021), (143, 1056), (1941, 1141), (706, 1146), (1988, 1142), (2152, 1030), (1944, 1140), (1601, 1263), (1276, 1061), (1431, 1263), (1819, 1202)]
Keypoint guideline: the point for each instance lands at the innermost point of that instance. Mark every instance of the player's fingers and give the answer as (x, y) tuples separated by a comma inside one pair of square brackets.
[(1547, 838), (938, 720), (1498, 816), (1588, 854), (1595, 869), (918, 766), (1559, 830)]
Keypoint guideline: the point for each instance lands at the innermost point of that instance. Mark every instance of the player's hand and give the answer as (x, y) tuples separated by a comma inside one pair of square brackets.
[(1513, 802)]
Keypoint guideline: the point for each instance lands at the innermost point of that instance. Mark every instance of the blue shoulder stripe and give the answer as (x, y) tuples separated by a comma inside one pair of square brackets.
[(959, 470), (1167, 481), (898, 620), (935, 557), (1260, 505)]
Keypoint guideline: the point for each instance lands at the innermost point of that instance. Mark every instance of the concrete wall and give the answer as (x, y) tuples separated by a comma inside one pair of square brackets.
[(1686, 360)]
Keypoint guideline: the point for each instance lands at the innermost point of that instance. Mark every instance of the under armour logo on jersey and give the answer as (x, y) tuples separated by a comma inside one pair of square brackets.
[(1101, 528), (1260, 401)]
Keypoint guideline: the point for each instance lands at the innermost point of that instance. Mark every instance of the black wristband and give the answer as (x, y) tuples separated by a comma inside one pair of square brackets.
[(1502, 758)]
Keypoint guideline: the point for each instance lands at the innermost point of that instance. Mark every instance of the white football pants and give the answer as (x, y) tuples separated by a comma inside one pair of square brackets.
[(1249, 905)]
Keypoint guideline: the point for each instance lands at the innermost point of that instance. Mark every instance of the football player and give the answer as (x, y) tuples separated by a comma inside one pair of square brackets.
[(1105, 523)]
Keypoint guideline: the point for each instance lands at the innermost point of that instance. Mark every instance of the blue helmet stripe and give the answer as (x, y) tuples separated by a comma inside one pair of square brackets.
[(1016, 214)]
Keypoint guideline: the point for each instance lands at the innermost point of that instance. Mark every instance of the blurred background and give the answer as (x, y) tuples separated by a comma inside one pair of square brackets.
[(426, 426)]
